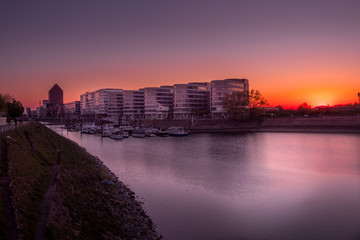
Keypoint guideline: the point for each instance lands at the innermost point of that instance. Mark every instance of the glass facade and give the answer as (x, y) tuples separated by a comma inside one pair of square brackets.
[(220, 88)]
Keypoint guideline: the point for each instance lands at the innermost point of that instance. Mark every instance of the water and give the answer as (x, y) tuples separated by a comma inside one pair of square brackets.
[(241, 186)]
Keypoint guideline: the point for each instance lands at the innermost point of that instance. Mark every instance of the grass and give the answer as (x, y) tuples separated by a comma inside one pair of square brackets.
[(30, 178), (81, 207)]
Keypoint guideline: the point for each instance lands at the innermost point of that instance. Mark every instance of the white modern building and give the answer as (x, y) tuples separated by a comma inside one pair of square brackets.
[(134, 104), (72, 108), (219, 89), (102, 102), (191, 99), (159, 102)]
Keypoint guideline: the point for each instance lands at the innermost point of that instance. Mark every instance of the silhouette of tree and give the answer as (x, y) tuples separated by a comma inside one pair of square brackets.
[(257, 104), (4, 98), (280, 107), (257, 100), (241, 105), (14, 109), (304, 106), (236, 105)]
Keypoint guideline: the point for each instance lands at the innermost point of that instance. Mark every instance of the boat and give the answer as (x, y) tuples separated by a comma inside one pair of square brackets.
[(125, 134), (127, 128), (106, 133), (88, 130), (138, 133), (150, 132), (177, 132), (116, 134), (162, 133)]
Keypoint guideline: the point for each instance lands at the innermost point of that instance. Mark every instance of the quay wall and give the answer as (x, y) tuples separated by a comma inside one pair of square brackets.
[(343, 124)]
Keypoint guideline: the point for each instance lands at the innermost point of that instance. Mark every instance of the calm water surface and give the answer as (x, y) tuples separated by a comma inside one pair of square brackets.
[(243, 186)]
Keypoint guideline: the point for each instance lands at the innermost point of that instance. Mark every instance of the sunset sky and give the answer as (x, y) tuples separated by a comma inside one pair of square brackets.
[(292, 51)]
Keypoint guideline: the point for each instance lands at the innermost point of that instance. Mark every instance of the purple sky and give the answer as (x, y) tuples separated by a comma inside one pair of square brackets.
[(289, 50)]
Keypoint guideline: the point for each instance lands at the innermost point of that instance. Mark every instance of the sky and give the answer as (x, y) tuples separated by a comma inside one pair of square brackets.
[(291, 51)]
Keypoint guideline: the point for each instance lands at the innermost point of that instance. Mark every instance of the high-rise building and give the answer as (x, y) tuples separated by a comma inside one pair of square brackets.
[(134, 104), (159, 102), (192, 99), (106, 102), (56, 95), (56, 100), (220, 88)]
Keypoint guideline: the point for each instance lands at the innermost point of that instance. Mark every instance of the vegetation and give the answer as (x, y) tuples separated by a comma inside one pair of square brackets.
[(256, 100), (13, 108), (305, 110), (257, 104), (46, 169), (242, 105), (236, 105), (4, 98)]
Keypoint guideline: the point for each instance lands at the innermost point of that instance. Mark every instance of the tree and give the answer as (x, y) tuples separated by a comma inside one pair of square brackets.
[(241, 105), (280, 107), (304, 109), (236, 105), (14, 109), (4, 98), (304, 106), (257, 104), (257, 101)]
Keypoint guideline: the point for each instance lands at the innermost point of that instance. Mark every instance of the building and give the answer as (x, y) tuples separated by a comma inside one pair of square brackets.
[(219, 89), (44, 109), (56, 95), (72, 108), (102, 102), (87, 103), (159, 102), (134, 104), (191, 100), (56, 100), (28, 111)]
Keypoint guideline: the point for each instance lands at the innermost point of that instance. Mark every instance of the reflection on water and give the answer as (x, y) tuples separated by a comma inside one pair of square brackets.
[(243, 186)]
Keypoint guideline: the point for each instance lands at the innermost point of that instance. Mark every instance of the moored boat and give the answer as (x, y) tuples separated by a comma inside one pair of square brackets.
[(125, 134), (138, 133), (106, 133), (116, 134), (162, 133), (150, 132), (177, 132)]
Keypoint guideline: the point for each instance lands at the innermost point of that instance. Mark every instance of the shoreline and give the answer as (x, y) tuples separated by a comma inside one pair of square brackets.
[(289, 129), (343, 124), (60, 191)]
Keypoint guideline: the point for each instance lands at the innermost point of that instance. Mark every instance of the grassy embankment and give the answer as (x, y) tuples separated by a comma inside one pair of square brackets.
[(50, 187)]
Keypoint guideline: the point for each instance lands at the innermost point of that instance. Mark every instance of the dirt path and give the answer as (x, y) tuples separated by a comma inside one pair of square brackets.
[(11, 226), (41, 226)]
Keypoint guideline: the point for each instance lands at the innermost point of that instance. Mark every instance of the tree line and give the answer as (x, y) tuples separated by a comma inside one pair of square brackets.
[(251, 105), (12, 108), (244, 105)]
